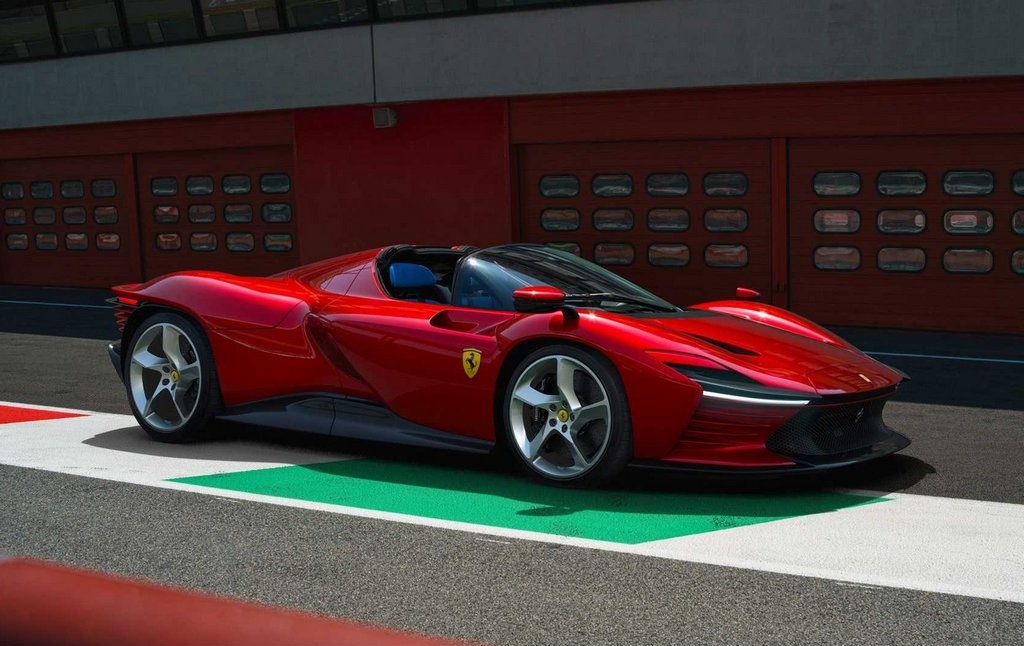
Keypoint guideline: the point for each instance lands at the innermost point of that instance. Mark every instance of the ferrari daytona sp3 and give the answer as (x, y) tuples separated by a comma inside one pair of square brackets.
[(573, 370)]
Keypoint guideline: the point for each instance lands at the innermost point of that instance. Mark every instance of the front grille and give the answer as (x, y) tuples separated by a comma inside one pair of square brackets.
[(837, 431)]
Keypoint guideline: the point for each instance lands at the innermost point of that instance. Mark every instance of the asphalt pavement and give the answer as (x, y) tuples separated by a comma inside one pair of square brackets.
[(966, 419)]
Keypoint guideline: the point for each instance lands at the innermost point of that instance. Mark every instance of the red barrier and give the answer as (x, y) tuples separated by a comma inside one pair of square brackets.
[(45, 603)]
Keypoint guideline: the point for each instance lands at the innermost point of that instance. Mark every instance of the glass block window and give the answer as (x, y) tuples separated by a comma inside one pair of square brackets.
[(620, 185), (168, 241), (725, 184), (1017, 261), (614, 253), (236, 184), (12, 191), (24, 32), (901, 221), (668, 219), (167, 21), (165, 214), (17, 241), (568, 247), (72, 189), (726, 255), (14, 216), (276, 212), (897, 183), (239, 16), (87, 25), (202, 213), (836, 221), (836, 183), (76, 241), (668, 184), (238, 213), (837, 258), (319, 13), (1017, 222), (1018, 182), (901, 259), (240, 242), (967, 261), (613, 219), (74, 215), (968, 221), (105, 215), (199, 185), (108, 241), (668, 255), (103, 188), (560, 219), (277, 242), (41, 190), (44, 215), (968, 182), (559, 186), (163, 186), (46, 241), (203, 241), (275, 183), (719, 220)]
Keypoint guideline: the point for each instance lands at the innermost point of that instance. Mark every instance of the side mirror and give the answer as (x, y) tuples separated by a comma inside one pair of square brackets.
[(538, 299), (746, 292)]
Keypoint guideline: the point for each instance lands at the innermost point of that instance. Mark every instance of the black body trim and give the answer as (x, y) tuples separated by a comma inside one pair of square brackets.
[(114, 351), (329, 414)]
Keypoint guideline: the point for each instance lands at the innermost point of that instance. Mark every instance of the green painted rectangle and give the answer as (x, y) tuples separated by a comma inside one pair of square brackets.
[(499, 500)]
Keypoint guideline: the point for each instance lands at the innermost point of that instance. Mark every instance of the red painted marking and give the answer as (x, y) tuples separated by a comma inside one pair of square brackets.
[(13, 414)]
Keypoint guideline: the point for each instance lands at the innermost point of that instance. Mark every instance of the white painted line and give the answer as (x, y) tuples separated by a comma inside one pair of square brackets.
[(96, 307), (943, 545), (945, 357)]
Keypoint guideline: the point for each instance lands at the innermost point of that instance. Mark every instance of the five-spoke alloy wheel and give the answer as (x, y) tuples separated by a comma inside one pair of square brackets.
[(566, 416), (170, 378)]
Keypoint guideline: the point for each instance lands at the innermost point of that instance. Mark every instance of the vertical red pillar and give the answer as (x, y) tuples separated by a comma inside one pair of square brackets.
[(780, 221)]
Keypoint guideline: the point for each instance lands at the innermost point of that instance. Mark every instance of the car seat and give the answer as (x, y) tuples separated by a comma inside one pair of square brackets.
[(412, 282)]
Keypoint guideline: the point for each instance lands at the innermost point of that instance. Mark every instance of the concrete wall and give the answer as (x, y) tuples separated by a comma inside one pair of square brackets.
[(247, 74), (639, 45)]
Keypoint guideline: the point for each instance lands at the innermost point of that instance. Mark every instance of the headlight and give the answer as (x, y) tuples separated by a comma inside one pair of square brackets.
[(728, 385)]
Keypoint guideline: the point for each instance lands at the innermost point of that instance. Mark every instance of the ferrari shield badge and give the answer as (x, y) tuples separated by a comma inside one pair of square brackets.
[(470, 361)]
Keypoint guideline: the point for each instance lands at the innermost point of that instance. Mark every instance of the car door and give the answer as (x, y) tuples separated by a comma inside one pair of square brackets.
[(432, 364)]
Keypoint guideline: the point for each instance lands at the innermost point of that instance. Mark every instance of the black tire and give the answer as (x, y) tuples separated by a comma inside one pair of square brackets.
[(207, 392), (617, 448)]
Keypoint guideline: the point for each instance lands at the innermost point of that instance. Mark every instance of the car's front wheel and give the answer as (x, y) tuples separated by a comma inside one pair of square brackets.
[(170, 378), (566, 416)]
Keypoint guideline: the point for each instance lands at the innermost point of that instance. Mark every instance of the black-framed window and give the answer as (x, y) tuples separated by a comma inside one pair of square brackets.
[(322, 13), (24, 31), (239, 17), (87, 26), (152, 22), (403, 8)]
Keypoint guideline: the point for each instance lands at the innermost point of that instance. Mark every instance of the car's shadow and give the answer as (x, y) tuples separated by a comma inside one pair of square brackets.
[(637, 491)]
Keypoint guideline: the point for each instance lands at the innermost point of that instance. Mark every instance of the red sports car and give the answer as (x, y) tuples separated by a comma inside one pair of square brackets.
[(572, 369)]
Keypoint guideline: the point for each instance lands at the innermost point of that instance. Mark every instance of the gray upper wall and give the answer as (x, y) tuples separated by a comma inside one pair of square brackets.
[(641, 45)]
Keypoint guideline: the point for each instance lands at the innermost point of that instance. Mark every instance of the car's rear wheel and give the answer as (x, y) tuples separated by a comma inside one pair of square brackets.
[(566, 416), (171, 379)]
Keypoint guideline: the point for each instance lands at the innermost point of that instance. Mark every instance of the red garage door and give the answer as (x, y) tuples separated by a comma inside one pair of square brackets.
[(687, 220), (226, 210), (909, 232), (68, 221)]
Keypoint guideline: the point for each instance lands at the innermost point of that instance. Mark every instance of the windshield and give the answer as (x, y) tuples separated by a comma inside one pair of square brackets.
[(487, 278)]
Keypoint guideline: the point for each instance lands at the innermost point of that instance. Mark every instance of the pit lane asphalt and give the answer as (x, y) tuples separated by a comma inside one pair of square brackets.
[(966, 420)]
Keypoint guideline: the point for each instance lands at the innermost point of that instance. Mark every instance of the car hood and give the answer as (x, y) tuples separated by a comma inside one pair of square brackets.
[(772, 356)]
